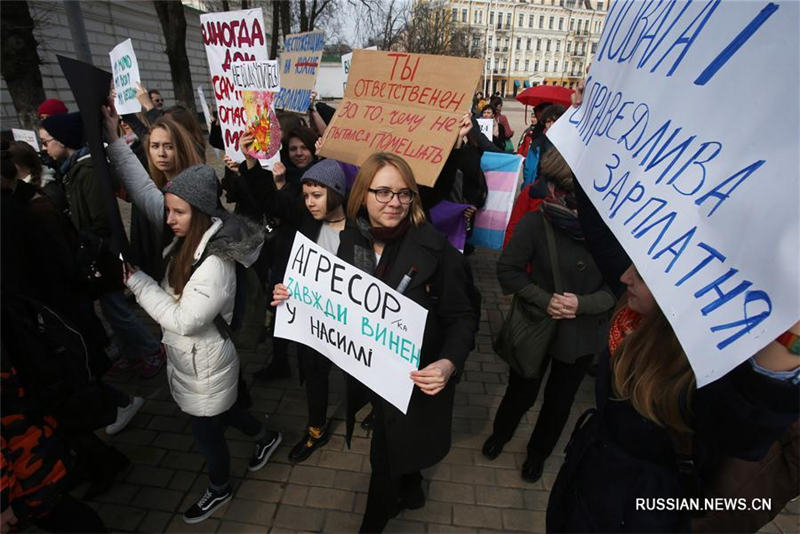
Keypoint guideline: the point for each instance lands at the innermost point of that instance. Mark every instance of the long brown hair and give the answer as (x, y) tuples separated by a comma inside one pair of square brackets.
[(189, 121), (180, 269), (650, 369), (374, 163), (185, 153), (25, 156)]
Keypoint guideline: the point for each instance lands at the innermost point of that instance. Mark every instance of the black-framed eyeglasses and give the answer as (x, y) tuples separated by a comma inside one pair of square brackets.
[(384, 195)]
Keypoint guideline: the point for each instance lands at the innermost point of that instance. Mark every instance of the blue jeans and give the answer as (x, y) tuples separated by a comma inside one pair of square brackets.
[(133, 335)]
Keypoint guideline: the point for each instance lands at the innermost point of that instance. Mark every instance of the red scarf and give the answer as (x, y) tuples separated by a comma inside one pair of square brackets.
[(625, 321)]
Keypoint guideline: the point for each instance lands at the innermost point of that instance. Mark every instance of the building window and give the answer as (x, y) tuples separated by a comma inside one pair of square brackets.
[(491, 17), (476, 41), (569, 46), (541, 21), (566, 68), (599, 6), (555, 66), (463, 15), (558, 46), (550, 23), (516, 65), (547, 46), (536, 65), (455, 15), (521, 20), (561, 23), (508, 19), (594, 48), (546, 66), (530, 21), (571, 24), (519, 43), (538, 45), (529, 44), (480, 17), (527, 65), (579, 25)]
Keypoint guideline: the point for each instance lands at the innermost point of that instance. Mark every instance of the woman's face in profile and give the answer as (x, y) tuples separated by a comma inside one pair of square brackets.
[(640, 299)]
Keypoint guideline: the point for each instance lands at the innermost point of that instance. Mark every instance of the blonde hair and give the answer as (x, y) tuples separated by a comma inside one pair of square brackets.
[(650, 369), (185, 152), (374, 163)]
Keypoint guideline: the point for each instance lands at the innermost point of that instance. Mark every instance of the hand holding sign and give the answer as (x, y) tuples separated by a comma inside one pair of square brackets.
[(434, 377)]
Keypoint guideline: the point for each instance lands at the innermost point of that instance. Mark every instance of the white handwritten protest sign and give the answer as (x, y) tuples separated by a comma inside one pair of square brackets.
[(686, 143), (27, 136), (486, 126), (126, 75), (204, 105), (257, 82), (299, 61), (232, 36), (368, 329)]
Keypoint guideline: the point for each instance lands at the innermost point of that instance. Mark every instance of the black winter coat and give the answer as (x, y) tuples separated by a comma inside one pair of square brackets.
[(586, 333), (443, 285)]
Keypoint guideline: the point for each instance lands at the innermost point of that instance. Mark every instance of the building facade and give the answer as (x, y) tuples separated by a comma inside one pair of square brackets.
[(531, 42)]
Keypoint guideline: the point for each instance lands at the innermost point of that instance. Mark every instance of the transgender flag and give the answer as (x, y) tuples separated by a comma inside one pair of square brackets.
[(502, 173)]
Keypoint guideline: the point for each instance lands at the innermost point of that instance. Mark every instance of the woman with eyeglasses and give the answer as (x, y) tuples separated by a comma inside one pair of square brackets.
[(389, 239)]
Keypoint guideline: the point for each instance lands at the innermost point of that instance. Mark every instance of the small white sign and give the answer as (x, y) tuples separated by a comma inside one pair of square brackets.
[(368, 329), (486, 126), (204, 104), (125, 70), (28, 136)]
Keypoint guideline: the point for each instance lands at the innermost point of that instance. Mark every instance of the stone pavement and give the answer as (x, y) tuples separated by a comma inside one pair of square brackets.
[(465, 492)]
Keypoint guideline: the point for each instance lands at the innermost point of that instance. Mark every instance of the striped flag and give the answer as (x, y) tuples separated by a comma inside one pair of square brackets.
[(502, 174)]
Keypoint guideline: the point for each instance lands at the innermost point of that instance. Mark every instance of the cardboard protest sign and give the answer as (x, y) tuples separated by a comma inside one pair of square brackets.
[(368, 329), (204, 105), (486, 126), (27, 136), (232, 36), (703, 199), (299, 62), (257, 82), (347, 60), (125, 70), (408, 104), (502, 174)]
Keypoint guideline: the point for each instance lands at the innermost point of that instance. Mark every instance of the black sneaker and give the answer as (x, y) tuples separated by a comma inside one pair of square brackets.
[(264, 449), (207, 505), (492, 447), (309, 444)]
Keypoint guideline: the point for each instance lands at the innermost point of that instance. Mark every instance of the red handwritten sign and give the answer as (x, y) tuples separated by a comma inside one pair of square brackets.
[(408, 104)]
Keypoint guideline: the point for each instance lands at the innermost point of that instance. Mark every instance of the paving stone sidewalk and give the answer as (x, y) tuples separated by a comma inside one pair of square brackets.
[(465, 492)]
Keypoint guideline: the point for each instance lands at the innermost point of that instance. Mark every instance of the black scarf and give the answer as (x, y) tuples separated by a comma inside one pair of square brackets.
[(391, 239)]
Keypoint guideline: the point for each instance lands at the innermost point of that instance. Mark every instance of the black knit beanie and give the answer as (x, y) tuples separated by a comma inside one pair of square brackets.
[(66, 128)]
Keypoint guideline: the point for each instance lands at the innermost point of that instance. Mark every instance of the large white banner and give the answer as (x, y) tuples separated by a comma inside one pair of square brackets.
[(126, 75), (368, 329), (232, 36), (686, 143)]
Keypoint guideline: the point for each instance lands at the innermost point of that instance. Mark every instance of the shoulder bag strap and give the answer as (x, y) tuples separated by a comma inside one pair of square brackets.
[(551, 250)]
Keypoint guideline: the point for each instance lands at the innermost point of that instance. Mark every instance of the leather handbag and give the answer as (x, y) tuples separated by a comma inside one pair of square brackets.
[(525, 336)]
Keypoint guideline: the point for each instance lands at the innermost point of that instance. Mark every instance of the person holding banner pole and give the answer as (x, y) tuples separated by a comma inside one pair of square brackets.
[(389, 239)]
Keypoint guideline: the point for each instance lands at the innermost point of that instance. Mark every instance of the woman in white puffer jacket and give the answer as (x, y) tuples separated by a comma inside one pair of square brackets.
[(194, 304)]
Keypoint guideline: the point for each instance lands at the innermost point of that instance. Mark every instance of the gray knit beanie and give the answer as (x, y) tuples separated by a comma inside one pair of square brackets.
[(328, 173), (198, 186)]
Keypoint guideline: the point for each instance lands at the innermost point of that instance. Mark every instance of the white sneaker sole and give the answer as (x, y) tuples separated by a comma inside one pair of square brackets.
[(209, 513), (267, 456), (117, 427)]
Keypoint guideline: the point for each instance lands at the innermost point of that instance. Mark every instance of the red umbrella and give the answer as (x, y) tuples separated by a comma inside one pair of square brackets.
[(545, 93)]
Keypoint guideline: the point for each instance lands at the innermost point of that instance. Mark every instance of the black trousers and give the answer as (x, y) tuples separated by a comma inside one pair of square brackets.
[(559, 394), (386, 493), (316, 370), (209, 432)]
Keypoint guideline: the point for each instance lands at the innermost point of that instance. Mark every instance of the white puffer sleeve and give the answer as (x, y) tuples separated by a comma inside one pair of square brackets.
[(203, 298)]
